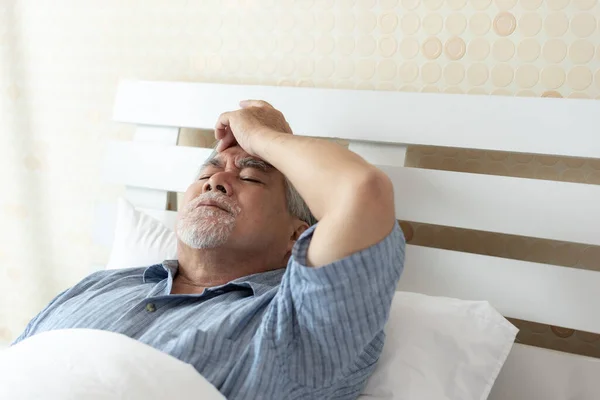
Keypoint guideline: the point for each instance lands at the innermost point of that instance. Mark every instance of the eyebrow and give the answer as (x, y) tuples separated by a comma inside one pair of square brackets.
[(247, 162), (215, 162), (250, 162)]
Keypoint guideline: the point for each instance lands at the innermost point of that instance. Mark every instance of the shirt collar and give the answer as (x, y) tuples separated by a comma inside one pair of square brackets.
[(158, 272), (259, 283)]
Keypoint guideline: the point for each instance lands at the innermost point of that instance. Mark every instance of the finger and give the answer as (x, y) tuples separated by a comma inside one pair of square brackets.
[(223, 120), (254, 103), (222, 125), (227, 142), (220, 146)]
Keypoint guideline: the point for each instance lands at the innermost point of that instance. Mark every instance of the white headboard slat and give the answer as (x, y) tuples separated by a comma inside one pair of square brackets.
[(156, 198), (148, 198), (156, 134), (548, 294), (380, 154), (534, 373), (529, 125), (518, 206), (153, 166)]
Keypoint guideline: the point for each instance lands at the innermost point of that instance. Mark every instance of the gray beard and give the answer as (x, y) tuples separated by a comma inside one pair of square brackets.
[(205, 227)]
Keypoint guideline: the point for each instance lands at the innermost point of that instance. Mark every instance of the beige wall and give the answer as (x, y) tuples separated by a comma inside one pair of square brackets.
[(60, 62)]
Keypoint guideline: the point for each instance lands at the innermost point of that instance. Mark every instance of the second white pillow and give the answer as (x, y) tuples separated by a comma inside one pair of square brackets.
[(440, 348)]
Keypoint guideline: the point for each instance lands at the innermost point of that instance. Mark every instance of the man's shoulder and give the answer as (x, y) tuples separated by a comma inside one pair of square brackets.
[(104, 273), (110, 275)]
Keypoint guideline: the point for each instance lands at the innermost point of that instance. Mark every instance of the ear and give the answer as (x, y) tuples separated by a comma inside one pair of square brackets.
[(299, 227)]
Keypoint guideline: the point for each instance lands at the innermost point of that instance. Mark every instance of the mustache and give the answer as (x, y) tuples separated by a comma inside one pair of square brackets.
[(221, 200)]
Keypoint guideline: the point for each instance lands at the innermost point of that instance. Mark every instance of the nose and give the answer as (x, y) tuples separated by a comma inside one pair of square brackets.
[(217, 182)]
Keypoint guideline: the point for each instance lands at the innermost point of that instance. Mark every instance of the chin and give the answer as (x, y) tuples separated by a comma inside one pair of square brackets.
[(207, 234)]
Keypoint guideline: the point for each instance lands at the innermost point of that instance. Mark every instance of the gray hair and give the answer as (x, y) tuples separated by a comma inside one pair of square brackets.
[(296, 205)]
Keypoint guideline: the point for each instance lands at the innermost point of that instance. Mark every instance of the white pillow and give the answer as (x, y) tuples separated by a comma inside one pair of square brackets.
[(140, 240), (76, 364), (440, 348), (436, 348)]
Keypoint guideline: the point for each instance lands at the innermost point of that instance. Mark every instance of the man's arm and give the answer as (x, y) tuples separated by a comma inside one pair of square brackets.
[(32, 327), (28, 329), (351, 198), (327, 323)]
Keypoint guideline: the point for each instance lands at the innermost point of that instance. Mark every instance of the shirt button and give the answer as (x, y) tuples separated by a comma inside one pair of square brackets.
[(150, 307)]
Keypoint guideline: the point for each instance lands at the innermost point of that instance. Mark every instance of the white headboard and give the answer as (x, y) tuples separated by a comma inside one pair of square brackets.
[(379, 125)]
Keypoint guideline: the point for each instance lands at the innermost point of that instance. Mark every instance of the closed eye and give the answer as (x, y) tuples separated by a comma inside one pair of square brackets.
[(203, 178), (251, 180)]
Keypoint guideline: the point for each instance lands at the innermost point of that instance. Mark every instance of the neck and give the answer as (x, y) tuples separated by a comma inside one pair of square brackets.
[(202, 268)]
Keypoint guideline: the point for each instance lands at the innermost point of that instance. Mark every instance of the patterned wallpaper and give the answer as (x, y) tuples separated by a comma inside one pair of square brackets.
[(60, 62)]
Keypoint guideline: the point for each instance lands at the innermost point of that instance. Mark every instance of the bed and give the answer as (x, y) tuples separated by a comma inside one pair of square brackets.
[(379, 126)]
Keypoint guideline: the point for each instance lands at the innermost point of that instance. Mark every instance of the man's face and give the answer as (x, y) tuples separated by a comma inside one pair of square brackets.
[(238, 202)]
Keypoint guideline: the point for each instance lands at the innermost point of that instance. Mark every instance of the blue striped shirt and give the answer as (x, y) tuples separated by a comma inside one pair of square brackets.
[(291, 333)]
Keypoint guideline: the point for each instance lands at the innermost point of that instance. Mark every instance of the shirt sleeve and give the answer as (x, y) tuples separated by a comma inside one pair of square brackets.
[(31, 323), (329, 320), (61, 298)]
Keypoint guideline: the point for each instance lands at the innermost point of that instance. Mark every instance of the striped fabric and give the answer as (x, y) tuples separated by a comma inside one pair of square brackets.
[(292, 333)]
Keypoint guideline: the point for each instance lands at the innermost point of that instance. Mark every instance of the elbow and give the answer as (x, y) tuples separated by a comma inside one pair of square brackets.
[(370, 207), (377, 181), (374, 191)]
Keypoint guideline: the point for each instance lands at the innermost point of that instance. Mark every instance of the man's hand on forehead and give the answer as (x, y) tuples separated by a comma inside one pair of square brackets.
[(244, 127)]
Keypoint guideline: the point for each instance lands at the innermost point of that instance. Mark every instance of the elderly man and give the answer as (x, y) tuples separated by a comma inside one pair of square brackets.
[(261, 301)]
